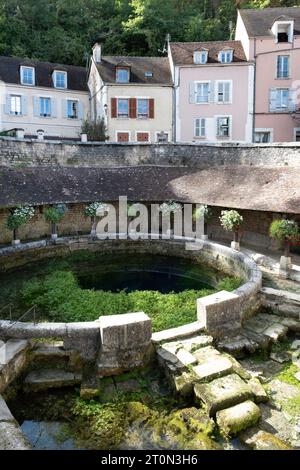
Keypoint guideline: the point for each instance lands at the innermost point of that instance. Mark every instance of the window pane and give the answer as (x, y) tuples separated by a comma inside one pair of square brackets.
[(60, 80), (202, 90), (122, 75), (27, 76), (45, 107), (15, 105), (143, 108), (123, 107), (72, 109)]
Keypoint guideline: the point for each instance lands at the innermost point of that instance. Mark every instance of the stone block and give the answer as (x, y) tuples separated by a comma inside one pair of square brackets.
[(12, 438), (262, 440), (11, 349), (217, 309), (50, 378), (237, 418), (5, 414), (185, 358), (125, 332), (223, 393), (260, 395), (213, 369)]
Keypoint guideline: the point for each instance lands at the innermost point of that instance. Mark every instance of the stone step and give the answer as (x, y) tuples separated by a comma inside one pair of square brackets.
[(10, 349), (257, 439), (238, 346), (266, 325), (213, 369), (38, 380), (235, 419), (223, 393)]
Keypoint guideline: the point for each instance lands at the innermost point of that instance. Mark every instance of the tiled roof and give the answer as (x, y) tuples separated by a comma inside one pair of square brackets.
[(10, 72), (259, 22), (182, 52), (139, 66), (241, 187)]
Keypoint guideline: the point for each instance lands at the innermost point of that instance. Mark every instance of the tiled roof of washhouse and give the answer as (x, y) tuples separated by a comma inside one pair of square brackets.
[(259, 188)]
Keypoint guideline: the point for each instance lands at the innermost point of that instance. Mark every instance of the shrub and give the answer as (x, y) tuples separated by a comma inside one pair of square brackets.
[(91, 209), (284, 229), (203, 211), (231, 220), (95, 130), (55, 213), (19, 216)]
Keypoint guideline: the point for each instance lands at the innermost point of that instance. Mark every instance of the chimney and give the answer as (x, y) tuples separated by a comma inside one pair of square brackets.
[(97, 53)]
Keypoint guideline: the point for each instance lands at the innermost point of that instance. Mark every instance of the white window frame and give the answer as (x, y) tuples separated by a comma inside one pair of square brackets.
[(226, 52), (122, 98), (289, 67), (200, 136), (202, 82), (296, 129), (65, 74), (123, 132), (264, 130), (200, 57), (122, 69), (72, 101), (217, 91), (282, 107), (159, 132), (139, 98), (22, 71), (45, 98), (142, 132), (11, 96), (229, 127)]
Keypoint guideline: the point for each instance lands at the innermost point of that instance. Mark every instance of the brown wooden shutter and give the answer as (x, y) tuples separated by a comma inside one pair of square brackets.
[(114, 107), (132, 108), (151, 108)]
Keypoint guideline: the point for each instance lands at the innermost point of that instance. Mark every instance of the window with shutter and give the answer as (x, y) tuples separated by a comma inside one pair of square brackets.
[(202, 92), (282, 99), (283, 66), (45, 107), (143, 108), (123, 107), (223, 126), (224, 92), (199, 127), (72, 107), (16, 105)]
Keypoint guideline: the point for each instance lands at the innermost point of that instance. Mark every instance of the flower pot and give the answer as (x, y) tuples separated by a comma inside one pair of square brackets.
[(15, 242), (285, 266), (54, 236), (84, 138), (235, 245)]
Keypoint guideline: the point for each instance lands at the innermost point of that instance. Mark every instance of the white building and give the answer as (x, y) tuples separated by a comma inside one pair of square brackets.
[(133, 95), (44, 98)]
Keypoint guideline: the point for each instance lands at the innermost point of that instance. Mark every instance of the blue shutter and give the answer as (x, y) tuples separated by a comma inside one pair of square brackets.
[(80, 110), (36, 106), (24, 110), (64, 109), (211, 96), (7, 104), (192, 92), (53, 108), (272, 99)]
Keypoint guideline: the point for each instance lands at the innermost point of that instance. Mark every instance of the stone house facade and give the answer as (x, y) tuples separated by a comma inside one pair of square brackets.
[(42, 99), (271, 39)]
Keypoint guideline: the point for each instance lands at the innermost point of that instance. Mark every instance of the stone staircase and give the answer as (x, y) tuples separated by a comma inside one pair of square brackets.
[(258, 333), (51, 366), (215, 380)]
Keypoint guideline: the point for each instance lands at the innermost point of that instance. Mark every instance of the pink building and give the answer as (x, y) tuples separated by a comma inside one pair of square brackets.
[(271, 38), (213, 92)]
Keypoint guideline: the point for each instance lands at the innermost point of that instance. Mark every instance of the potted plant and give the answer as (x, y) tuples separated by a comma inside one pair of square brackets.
[(231, 221), (285, 231), (55, 214), (205, 212), (91, 211), (17, 217)]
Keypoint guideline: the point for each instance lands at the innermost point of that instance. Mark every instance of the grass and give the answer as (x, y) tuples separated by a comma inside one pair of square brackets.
[(60, 298)]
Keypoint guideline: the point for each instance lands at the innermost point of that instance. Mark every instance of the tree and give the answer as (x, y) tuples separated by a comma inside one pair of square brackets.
[(231, 221), (18, 217), (285, 231), (54, 215), (95, 130)]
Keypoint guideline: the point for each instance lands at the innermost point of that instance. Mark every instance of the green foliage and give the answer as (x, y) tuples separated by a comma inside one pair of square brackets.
[(91, 209), (55, 213), (95, 130), (19, 216), (229, 283), (231, 220), (284, 229), (60, 297), (203, 211), (63, 31)]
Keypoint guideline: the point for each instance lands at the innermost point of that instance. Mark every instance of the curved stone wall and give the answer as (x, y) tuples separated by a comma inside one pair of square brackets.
[(215, 312)]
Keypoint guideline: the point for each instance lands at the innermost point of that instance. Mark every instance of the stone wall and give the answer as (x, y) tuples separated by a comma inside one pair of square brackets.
[(31, 153)]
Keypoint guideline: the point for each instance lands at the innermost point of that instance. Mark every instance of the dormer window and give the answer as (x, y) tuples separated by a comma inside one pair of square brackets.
[(27, 75), (200, 57), (60, 79), (283, 30), (226, 57), (122, 75)]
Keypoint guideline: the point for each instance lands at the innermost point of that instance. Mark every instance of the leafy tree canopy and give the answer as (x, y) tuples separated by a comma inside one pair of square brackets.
[(64, 30)]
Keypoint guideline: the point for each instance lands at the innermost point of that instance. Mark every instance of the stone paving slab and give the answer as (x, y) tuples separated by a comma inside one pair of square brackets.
[(276, 331), (238, 417), (206, 354), (186, 358), (262, 440), (213, 369), (222, 393)]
